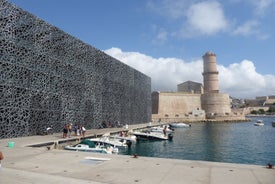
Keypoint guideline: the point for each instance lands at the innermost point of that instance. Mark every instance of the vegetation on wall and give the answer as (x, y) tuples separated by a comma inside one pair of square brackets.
[(271, 110)]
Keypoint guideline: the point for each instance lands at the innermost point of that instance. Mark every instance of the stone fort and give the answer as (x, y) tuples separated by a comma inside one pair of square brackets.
[(194, 101), (49, 78)]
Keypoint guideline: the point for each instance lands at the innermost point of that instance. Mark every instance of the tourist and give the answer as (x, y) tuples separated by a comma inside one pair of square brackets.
[(83, 131), (70, 129), (121, 133), (164, 130), (78, 131), (75, 129), (65, 131), (1, 158)]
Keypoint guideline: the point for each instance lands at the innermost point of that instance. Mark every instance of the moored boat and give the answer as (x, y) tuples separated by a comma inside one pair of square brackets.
[(179, 125), (90, 146), (148, 135), (259, 123), (160, 129), (107, 140), (127, 140)]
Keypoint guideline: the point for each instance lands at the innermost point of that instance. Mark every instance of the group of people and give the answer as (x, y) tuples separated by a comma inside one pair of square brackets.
[(76, 128)]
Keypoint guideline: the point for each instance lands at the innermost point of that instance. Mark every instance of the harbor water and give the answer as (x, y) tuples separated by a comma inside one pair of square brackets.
[(238, 142)]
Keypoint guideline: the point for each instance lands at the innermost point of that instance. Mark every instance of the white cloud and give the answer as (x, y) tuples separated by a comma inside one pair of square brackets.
[(238, 79), (161, 36), (206, 18), (196, 18), (165, 73), (262, 5), (169, 8), (242, 80), (250, 28)]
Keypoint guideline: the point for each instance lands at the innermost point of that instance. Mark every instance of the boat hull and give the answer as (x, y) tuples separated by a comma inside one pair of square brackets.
[(179, 125), (151, 136)]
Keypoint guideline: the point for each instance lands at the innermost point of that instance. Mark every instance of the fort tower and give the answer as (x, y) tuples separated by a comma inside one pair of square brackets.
[(210, 73), (215, 104)]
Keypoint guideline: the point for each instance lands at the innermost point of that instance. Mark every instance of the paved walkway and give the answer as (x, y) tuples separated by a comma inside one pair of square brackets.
[(23, 164)]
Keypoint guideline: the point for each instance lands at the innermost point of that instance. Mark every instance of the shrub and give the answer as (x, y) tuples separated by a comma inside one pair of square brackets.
[(254, 112)]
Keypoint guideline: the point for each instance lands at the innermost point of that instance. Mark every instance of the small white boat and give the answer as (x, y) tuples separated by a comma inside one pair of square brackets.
[(259, 123), (89, 146), (152, 135), (127, 136), (160, 129), (107, 140), (179, 125)]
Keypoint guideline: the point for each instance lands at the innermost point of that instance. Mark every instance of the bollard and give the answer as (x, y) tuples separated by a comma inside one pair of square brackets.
[(56, 145)]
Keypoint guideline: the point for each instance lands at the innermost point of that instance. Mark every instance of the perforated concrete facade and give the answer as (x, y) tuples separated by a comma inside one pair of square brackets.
[(48, 77)]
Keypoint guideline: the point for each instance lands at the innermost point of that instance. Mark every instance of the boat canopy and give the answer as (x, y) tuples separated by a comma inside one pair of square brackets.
[(91, 144)]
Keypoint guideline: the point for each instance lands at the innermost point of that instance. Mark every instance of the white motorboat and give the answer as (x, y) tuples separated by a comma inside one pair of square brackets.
[(259, 123), (127, 139), (179, 125), (160, 129), (152, 135), (89, 146), (107, 140)]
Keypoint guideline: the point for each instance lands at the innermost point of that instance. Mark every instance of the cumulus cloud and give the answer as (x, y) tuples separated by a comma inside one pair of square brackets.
[(165, 73), (206, 18), (238, 79), (195, 18), (242, 80)]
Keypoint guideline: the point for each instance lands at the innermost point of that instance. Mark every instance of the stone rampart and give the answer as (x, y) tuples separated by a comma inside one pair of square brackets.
[(176, 106)]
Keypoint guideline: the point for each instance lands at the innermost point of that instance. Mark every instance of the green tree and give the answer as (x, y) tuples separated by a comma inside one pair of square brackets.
[(254, 112), (271, 109), (261, 111)]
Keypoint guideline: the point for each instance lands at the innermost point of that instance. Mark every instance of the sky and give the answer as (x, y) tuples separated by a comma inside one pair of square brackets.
[(166, 39)]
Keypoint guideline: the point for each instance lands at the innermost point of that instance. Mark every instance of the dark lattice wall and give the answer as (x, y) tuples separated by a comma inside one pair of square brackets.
[(48, 77)]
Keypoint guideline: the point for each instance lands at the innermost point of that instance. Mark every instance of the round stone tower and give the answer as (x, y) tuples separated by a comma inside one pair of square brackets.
[(215, 104), (210, 73)]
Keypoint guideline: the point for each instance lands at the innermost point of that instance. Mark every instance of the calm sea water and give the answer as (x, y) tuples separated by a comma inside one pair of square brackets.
[(219, 142)]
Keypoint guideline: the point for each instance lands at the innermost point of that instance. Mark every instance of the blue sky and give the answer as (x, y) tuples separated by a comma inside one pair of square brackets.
[(165, 39)]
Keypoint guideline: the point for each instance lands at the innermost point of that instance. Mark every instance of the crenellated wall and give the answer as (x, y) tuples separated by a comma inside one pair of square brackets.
[(48, 77)]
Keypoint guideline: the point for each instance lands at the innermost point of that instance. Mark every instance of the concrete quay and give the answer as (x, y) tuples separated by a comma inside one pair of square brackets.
[(23, 165)]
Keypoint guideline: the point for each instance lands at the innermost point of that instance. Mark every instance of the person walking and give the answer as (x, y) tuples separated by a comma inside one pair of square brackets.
[(65, 131)]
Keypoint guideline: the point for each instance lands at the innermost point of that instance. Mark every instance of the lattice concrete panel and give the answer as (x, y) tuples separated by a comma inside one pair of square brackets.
[(49, 78)]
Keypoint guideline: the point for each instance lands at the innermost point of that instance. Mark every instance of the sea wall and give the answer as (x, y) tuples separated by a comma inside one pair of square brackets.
[(50, 78)]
